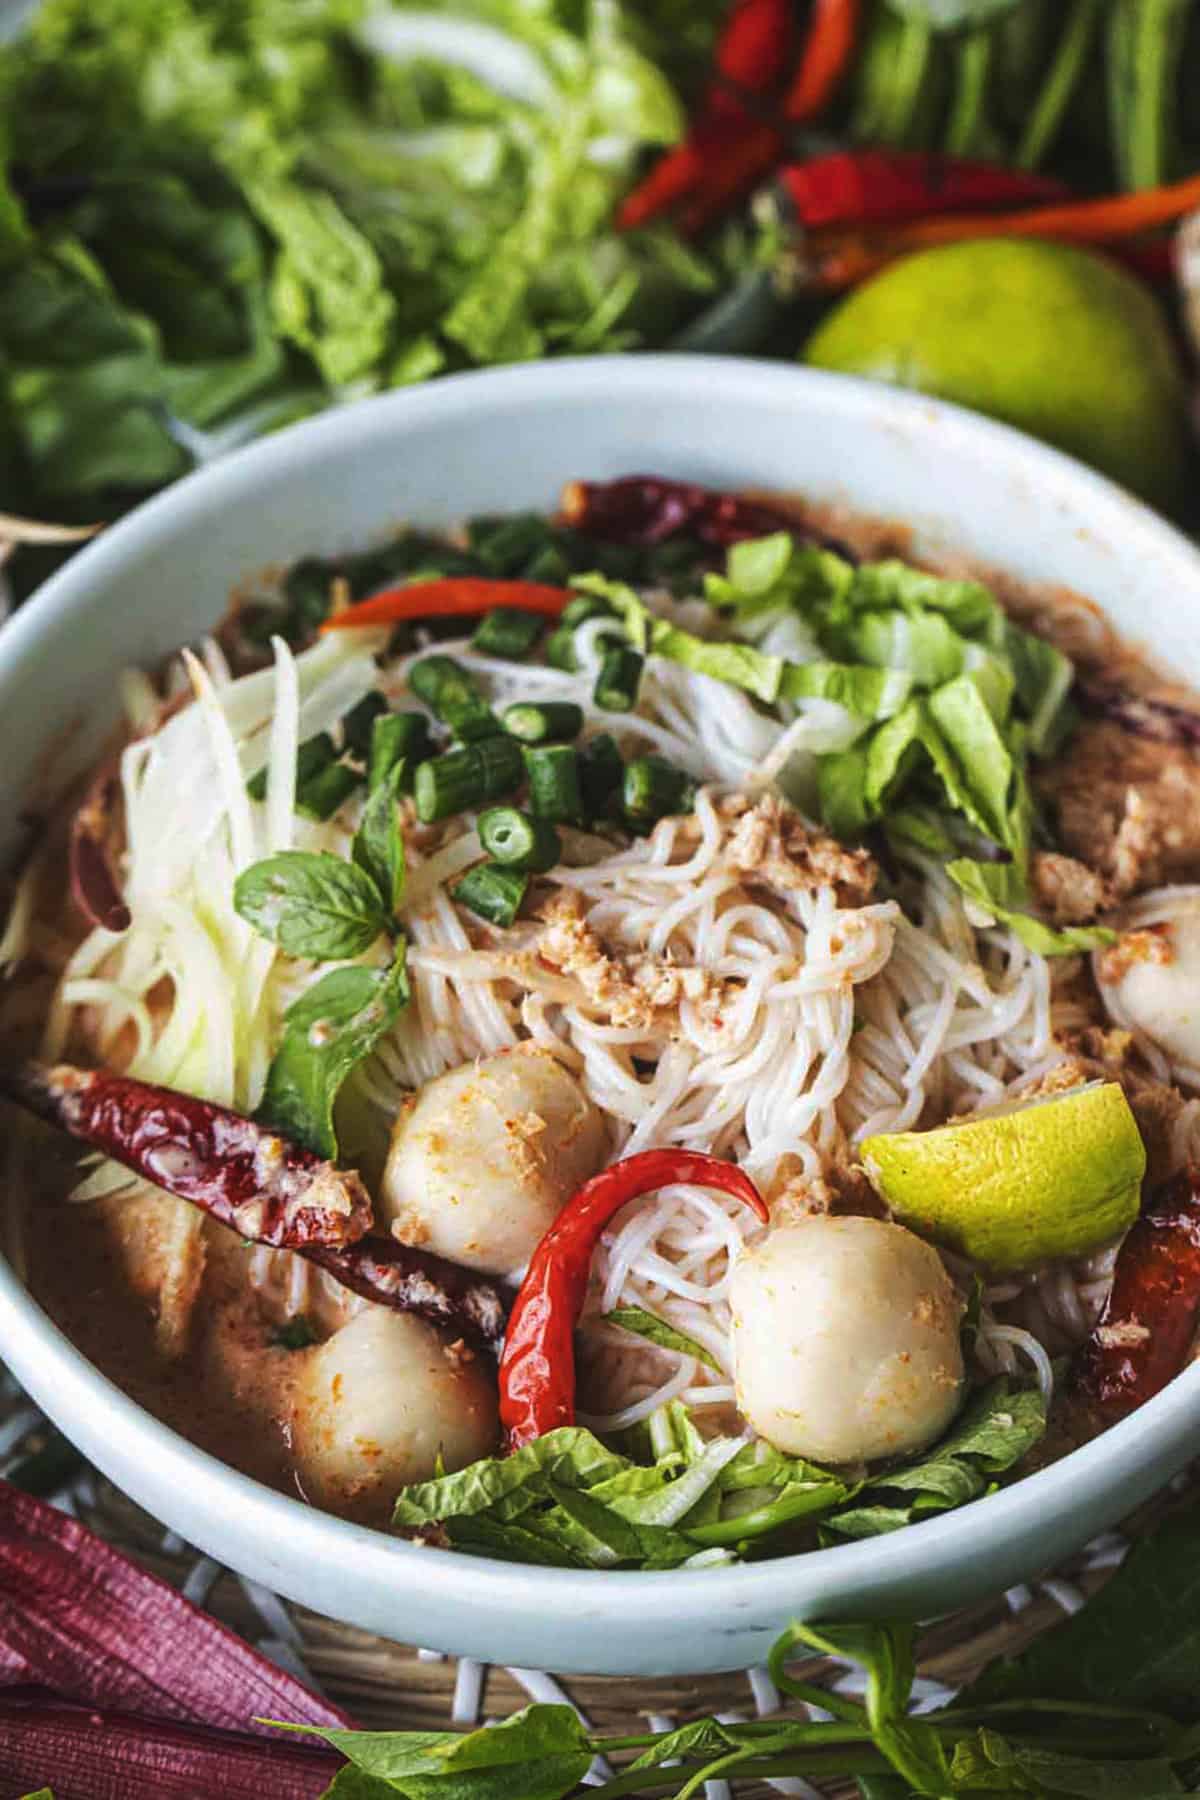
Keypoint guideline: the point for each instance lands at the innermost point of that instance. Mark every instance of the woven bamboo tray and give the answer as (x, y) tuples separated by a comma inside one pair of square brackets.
[(391, 1686)]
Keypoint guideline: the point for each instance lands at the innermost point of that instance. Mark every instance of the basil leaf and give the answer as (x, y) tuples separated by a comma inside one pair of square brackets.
[(327, 1033), (656, 1331), (312, 905), (378, 848), (1000, 889)]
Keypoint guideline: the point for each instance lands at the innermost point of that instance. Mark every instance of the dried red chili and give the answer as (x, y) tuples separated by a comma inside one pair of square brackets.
[(248, 1177), (416, 1281), (1153, 1309), (537, 1366), (647, 509)]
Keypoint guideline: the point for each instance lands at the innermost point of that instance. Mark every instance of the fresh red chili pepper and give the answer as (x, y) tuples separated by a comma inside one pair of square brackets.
[(750, 59), (867, 187), (454, 596), (647, 509), (246, 1176), (415, 1281), (1153, 1309), (824, 63), (537, 1366), (94, 886)]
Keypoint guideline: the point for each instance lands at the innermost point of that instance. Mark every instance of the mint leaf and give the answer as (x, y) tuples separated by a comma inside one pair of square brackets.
[(378, 848), (327, 1033), (644, 1324), (312, 905)]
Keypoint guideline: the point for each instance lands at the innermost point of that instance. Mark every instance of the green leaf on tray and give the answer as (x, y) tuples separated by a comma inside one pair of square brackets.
[(311, 904), (1137, 1641), (540, 1753)]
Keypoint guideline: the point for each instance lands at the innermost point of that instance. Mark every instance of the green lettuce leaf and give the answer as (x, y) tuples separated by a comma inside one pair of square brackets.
[(1001, 890), (999, 1426)]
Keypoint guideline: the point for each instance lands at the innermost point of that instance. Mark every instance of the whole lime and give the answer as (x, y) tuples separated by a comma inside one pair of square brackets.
[(1056, 340)]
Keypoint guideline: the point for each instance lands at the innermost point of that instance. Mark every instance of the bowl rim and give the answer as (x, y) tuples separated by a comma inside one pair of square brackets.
[(51, 1364)]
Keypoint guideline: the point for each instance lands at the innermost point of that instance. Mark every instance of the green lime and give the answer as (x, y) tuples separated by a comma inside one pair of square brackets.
[(1016, 1186), (1056, 340)]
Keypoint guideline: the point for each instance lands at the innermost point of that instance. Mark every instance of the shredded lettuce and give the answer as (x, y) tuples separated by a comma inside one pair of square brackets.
[(957, 698), (234, 213)]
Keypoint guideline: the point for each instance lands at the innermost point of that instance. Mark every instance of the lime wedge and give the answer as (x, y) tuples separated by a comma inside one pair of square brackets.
[(1018, 1185)]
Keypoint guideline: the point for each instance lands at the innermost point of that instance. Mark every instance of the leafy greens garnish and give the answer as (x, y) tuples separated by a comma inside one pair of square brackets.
[(327, 1032), (941, 754), (568, 1498), (1103, 1707), (311, 904), (318, 906)]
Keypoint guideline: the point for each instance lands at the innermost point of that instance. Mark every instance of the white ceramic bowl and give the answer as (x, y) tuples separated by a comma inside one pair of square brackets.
[(493, 442)]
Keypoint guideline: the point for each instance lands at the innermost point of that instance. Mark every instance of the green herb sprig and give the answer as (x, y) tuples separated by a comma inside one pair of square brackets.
[(318, 906), (1107, 1705)]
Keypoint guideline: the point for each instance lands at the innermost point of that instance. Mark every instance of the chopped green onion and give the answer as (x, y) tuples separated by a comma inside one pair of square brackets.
[(464, 779), (584, 607), (508, 631), (559, 650), (495, 894), (397, 737), (617, 683), (328, 789), (601, 771), (452, 694), (653, 788), (539, 724), (512, 838), (504, 545), (554, 793), (471, 721), (359, 722), (441, 682), (315, 753)]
